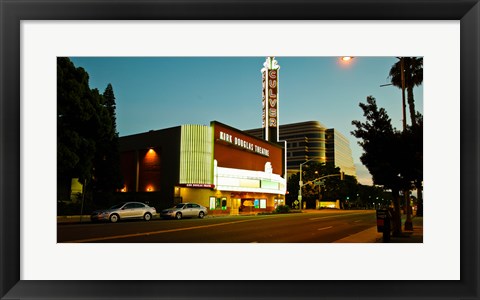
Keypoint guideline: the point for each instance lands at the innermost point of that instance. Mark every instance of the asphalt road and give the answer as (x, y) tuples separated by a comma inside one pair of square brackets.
[(324, 226)]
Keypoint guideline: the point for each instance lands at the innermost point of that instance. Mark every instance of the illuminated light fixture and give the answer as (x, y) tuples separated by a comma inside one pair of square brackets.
[(124, 189), (347, 58), (151, 150), (149, 189)]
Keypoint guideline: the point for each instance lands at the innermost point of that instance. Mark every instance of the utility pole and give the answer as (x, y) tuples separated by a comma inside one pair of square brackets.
[(83, 198), (406, 193), (402, 78), (300, 183)]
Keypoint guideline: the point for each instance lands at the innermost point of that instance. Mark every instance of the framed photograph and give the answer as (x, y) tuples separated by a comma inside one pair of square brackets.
[(36, 263)]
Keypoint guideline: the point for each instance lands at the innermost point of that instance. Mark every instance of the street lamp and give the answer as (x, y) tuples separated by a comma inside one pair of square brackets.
[(300, 183), (402, 80), (347, 59), (317, 203)]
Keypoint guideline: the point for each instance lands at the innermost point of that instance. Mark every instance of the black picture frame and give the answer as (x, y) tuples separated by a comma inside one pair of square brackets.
[(13, 11)]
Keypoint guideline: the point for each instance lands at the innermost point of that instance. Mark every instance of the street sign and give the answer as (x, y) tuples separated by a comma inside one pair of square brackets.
[(383, 220), (300, 183), (383, 224), (299, 198)]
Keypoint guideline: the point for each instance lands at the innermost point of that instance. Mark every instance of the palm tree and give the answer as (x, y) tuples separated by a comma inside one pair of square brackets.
[(413, 77)]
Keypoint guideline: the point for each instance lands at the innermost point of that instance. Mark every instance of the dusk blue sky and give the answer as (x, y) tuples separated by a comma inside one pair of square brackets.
[(156, 93)]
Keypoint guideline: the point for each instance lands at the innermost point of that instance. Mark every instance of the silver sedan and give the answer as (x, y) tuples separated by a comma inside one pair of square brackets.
[(126, 210), (184, 210)]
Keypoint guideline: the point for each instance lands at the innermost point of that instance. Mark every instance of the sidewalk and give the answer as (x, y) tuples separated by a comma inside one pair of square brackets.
[(367, 236), (372, 236), (73, 219), (415, 236)]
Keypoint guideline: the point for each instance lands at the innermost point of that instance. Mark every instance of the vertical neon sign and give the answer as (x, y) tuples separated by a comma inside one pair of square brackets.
[(264, 100), (270, 99)]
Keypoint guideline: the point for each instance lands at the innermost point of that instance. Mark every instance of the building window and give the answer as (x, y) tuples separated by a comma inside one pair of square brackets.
[(212, 202), (263, 203), (224, 203), (260, 203), (218, 203)]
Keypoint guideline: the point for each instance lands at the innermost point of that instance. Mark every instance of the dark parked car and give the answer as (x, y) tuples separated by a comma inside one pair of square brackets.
[(126, 210), (184, 210)]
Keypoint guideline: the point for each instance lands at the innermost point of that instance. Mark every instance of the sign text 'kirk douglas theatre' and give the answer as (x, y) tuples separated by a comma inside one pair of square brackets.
[(243, 144)]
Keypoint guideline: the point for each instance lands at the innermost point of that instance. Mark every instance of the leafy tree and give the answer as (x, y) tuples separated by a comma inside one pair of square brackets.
[(333, 188), (348, 191), (413, 70), (384, 153), (87, 140), (292, 188), (413, 142), (367, 195), (76, 117)]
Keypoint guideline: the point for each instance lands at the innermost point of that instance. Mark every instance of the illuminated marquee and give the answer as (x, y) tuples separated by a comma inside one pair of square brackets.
[(236, 141)]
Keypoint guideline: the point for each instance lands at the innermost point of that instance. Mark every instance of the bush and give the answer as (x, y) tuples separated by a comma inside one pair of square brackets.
[(68, 209), (282, 209)]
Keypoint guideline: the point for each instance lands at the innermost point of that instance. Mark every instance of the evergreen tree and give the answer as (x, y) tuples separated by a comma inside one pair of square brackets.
[(110, 105), (107, 159)]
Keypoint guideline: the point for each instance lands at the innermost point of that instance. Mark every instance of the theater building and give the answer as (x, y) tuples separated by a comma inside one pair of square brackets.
[(216, 166)]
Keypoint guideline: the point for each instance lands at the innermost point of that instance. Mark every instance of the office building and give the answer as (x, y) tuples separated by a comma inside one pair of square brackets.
[(312, 140), (339, 152)]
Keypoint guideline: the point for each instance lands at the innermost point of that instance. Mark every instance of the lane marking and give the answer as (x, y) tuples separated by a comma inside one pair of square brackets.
[(106, 238), (335, 216), (357, 221), (325, 228)]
